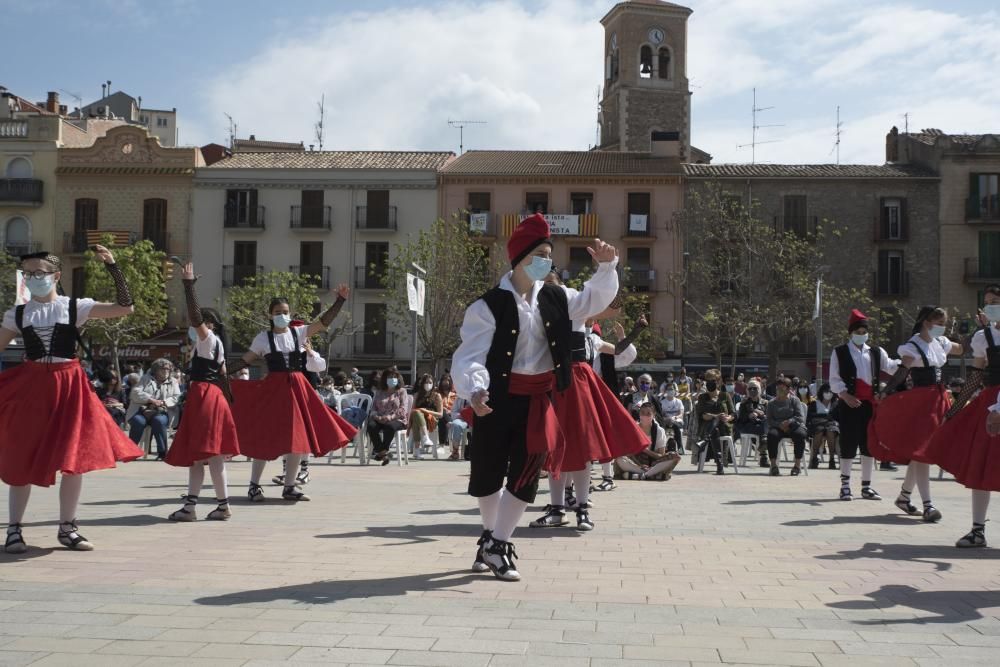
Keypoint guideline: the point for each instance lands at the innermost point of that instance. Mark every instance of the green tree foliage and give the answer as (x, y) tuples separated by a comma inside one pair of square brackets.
[(142, 265), (460, 268), (246, 304), (8, 281)]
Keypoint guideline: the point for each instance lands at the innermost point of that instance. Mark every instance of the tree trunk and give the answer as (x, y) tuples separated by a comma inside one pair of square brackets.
[(773, 359), (736, 347), (718, 357), (114, 357)]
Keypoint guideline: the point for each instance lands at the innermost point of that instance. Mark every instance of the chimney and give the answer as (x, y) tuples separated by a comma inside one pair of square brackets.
[(892, 145), (665, 144), (52, 102), (104, 90), (253, 137), (63, 109)]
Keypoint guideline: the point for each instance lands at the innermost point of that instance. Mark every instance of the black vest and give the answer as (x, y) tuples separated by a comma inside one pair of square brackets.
[(554, 309), (608, 372), (926, 376), (276, 360), (64, 336), (992, 370), (204, 369), (580, 347), (849, 371)]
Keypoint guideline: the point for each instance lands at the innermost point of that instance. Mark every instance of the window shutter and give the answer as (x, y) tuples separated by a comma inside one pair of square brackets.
[(883, 227), (252, 213), (882, 283), (972, 203), (904, 221)]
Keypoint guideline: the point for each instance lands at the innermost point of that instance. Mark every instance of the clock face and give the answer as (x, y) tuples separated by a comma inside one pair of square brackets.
[(614, 40), (656, 35)]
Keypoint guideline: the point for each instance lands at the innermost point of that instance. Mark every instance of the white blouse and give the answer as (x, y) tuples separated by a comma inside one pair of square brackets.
[(283, 342), (44, 316), (206, 348), (936, 351), (531, 354), (979, 344)]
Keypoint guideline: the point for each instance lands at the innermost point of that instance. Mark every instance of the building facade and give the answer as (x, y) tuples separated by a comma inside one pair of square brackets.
[(326, 214), (161, 123), (627, 199)]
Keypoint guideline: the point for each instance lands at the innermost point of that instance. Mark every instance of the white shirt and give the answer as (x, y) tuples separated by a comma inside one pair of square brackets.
[(44, 316), (863, 363), (283, 342), (315, 362), (996, 406), (979, 344), (531, 354), (672, 407), (206, 348), (661, 439), (622, 359), (936, 351)]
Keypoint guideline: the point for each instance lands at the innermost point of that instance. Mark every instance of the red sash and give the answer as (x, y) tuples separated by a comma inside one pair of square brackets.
[(544, 439), (863, 391)]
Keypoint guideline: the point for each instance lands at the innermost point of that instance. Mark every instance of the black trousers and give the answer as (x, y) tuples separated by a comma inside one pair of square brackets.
[(854, 429), (797, 436), (382, 434), (499, 450)]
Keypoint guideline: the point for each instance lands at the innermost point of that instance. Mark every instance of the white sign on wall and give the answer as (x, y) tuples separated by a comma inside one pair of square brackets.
[(415, 293), (479, 222), (638, 222)]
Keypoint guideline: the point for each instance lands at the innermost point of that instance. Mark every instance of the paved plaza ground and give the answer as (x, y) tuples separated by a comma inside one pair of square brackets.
[(698, 570)]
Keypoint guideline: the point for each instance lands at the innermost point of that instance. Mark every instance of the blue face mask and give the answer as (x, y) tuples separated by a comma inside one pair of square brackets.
[(40, 286), (193, 334), (281, 321), (937, 330), (539, 268), (859, 339), (392, 383)]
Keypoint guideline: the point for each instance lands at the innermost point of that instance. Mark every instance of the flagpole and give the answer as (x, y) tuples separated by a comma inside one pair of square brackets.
[(819, 333)]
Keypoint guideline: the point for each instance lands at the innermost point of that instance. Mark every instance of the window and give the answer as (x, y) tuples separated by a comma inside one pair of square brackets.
[(244, 261), (984, 199), (640, 268), (579, 259), (144, 120), (536, 202), (377, 209), (637, 220), (581, 202), (989, 255), (663, 63), (375, 336), (893, 220), (17, 236), (795, 220), (645, 62), (78, 283), (242, 210), (19, 167), (85, 215), (154, 222), (311, 259), (162, 122), (312, 208), (891, 279), (376, 258), (479, 202)]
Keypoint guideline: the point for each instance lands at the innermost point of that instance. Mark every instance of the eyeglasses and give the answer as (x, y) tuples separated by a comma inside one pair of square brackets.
[(37, 274)]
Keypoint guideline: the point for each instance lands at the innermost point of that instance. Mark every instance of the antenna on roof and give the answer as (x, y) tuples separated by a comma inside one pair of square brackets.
[(322, 117), (753, 142), (837, 133), (233, 129), (906, 121), (77, 97), (460, 124), (597, 132)]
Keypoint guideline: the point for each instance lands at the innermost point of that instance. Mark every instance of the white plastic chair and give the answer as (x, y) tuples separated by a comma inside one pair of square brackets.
[(357, 400), (399, 442), (726, 446), (748, 442), (784, 444)]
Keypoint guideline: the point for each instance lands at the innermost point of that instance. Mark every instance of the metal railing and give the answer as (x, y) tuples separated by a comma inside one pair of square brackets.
[(236, 275), (16, 249), (375, 345), (79, 241), (160, 240), (364, 278), (891, 285), (21, 190), (976, 272), (243, 217), (641, 279), (633, 231), (383, 220), (311, 217), (319, 275), (982, 208)]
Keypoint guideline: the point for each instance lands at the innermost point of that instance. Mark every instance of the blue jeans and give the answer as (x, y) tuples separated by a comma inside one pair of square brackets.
[(158, 424)]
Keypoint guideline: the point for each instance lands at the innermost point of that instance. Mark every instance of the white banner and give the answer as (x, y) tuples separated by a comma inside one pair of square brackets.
[(562, 225), (637, 222), (479, 222), (415, 293), (22, 295)]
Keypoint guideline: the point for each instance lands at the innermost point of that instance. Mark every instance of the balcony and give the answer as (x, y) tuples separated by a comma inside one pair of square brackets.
[(641, 279), (365, 277), (17, 248), (586, 225), (243, 217), (80, 241), (978, 273), (318, 275), (236, 275), (632, 228), (380, 220), (891, 285), (375, 345), (14, 129), (21, 191), (982, 209), (312, 218), (160, 240)]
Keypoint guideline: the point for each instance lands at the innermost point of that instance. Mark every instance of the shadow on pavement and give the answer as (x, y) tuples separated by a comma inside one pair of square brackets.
[(412, 534), (936, 555), (946, 606), (134, 520), (472, 511), (816, 502), (31, 553), (326, 592), (876, 520)]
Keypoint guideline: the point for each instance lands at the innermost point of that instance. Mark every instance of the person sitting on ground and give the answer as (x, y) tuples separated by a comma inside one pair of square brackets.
[(821, 423), (654, 462), (427, 410), (786, 418)]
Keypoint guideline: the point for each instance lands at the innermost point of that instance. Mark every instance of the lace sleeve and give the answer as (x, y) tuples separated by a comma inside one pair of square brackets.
[(123, 297)]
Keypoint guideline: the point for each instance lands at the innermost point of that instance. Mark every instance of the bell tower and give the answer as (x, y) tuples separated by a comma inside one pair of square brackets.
[(645, 76)]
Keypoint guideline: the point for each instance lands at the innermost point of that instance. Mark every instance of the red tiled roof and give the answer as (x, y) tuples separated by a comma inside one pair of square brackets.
[(336, 160), (560, 163)]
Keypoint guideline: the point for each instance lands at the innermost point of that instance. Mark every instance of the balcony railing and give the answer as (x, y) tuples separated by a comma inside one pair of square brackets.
[(977, 272), (365, 277), (588, 224), (21, 190), (375, 345), (236, 275), (898, 285), (319, 275), (317, 218), (79, 241), (632, 228), (14, 129), (383, 220), (641, 279), (16, 249), (160, 240), (243, 217), (983, 208)]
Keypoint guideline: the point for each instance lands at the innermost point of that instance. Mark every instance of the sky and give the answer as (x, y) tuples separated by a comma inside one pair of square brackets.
[(394, 72)]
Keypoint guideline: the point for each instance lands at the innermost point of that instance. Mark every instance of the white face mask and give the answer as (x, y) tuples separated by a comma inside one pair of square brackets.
[(428, 386), (281, 321), (40, 286), (827, 395), (859, 339), (803, 391), (992, 312), (937, 330), (348, 388)]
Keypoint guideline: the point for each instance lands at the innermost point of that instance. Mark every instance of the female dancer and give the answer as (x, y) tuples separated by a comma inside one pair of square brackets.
[(963, 446), (282, 414), (905, 422), (50, 418), (207, 435)]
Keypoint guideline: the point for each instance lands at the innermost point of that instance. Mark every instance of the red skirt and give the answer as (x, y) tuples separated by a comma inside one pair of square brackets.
[(595, 424), (52, 421), (905, 423), (207, 428), (964, 448), (282, 414)]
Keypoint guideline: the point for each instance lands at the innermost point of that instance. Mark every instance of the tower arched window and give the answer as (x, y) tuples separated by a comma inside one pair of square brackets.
[(645, 62), (663, 63), (19, 167), (17, 236), (614, 65)]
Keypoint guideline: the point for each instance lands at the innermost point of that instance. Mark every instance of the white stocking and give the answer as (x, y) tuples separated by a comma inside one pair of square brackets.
[(581, 481), (18, 502), (910, 479), (511, 510), (557, 490), (867, 468), (845, 468), (257, 470), (489, 506), (292, 467), (608, 469), (923, 477), (69, 497), (659, 467), (217, 468), (196, 477), (627, 465), (980, 505)]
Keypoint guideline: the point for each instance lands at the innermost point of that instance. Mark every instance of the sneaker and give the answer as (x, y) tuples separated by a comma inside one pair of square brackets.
[(975, 538), (15, 541), (553, 518), (302, 478), (479, 565), (845, 493), (499, 557), (868, 493), (583, 522), (255, 493), (607, 484), (795, 471), (293, 494), (931, 514), (904, 504)]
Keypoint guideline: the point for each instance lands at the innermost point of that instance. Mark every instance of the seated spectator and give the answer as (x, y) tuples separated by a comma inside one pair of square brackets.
[(152, 403), (388, 415), (802, 391), (427, 410), (740, 387), (446, 389), (752, 418), (645, 393), (822, 425), (328, 392), (628, 388), (374, 383), (655, 461), (672, 409), (786, 418), (460, 427), (714, 417), (341, 381), (112, 395)]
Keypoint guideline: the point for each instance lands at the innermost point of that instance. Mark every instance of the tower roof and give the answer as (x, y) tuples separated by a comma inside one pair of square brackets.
[(647, 4)]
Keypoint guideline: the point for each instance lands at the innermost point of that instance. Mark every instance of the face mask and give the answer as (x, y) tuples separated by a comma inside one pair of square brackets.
[(711, 386), (644, 386), (428, 387), (392, 383), (803, 391), (40, 286), (827, 395), (859, 339), (937, 330), (992, 312), (281, 321), (348, 388), (193, 334), (539, 268), (730, 388), (671, 394)]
